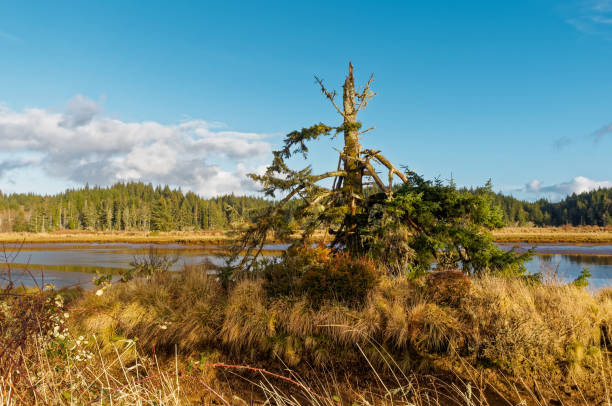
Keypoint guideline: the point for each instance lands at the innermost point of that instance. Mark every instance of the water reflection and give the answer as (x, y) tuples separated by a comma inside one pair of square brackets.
[(39, 277), (66, 264), (568, 267)]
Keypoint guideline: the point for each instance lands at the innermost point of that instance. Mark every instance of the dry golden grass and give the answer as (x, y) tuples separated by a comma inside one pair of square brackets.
[(142, 380), (202, 237), (61, 367), (66, 236), (184, 309), (516, 334), (62, 380), (585, 234)]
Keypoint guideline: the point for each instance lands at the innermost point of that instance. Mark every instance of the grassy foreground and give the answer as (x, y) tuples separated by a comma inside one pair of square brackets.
[(586, 234), (180, 338)]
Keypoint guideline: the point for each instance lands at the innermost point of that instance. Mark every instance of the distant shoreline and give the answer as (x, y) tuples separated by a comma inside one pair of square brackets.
[(587, 234), (584, 235), (208, 237)]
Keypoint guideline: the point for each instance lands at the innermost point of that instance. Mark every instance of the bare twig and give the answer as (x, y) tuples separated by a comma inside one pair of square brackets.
[(365, 95), (330, 95)]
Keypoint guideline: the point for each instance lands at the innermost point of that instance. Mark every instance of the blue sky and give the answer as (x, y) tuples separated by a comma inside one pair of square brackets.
[(196, 94)]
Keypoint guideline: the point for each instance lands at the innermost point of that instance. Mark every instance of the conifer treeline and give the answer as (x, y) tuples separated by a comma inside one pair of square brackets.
[(585, 209), (133, 206), (137, 206)]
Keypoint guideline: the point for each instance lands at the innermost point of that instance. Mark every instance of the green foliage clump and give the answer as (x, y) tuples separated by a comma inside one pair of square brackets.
[(582, 280), (427, 223), (321, 275), (149, 265)]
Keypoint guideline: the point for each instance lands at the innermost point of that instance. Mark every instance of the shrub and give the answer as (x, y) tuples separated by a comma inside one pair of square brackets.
[(583, 279), (321, 275), (281, 278), (342, 278), (149, 264), (430, 222)]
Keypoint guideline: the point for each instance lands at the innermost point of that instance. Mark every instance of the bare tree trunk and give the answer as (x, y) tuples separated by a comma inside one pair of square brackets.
[(353, 185)]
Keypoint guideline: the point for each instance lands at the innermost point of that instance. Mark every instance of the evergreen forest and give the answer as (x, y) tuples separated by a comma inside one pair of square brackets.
[(136, 206)]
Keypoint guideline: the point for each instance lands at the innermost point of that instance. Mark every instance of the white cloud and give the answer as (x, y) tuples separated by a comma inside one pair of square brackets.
[(579, 184), (80, 111), (79, 146), (592, 17)]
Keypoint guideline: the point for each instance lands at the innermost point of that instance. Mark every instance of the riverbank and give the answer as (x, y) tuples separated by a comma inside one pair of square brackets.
[(587, 234), (207, 237)]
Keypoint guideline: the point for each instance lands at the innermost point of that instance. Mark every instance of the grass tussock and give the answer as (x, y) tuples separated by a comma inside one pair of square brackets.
[(184, 309), (551, 337)]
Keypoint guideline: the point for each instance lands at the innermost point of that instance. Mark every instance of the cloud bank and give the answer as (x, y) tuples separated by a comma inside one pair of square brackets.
[(579, 184), (78, 145)]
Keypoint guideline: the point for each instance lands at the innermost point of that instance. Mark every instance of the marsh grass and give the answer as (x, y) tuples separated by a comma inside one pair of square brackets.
[(584, 234), (201, 237), (569, 234), (62, 379), (80, 236), (510, 338), (144, 381), (181, 338)]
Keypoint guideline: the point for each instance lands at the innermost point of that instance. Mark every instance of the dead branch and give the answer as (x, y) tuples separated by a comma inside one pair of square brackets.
[(366, 130), (372, 173), (347, 157), (365, 95), (330, 95), (328, 175), (384, 161), (336, 178)]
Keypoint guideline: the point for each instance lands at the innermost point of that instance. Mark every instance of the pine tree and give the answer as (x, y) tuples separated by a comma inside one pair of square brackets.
[(161, 217)]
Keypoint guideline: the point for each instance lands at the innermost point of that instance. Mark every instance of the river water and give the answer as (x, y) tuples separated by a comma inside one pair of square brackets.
[(70, 264)]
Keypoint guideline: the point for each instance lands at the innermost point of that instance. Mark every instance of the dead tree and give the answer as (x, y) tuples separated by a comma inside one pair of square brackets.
[(338, 209)]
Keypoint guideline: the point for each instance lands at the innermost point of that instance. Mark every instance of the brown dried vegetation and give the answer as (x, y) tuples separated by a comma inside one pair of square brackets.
[(516, 334)]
